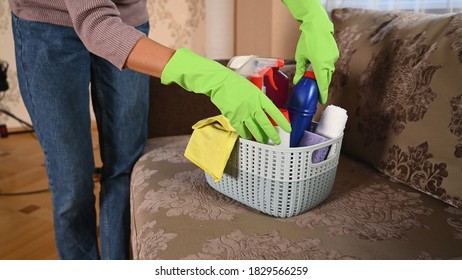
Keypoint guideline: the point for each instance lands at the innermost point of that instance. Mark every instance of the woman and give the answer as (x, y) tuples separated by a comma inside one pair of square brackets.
[(64, 46)]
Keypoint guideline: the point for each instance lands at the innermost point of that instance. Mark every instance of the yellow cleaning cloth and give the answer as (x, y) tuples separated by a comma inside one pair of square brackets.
[(211, 144)]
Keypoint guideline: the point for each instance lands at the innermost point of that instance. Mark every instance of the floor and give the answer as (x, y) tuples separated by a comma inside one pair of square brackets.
[(26, 226)]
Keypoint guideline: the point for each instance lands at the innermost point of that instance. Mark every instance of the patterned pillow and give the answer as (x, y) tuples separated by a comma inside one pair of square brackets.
[(399, 76)]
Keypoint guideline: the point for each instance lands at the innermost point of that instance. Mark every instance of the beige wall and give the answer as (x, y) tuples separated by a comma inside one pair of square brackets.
[(262, 27), (265, 28), (178, 23)]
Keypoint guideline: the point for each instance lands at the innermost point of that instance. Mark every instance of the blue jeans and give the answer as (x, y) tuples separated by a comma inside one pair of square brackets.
[(55, 71)]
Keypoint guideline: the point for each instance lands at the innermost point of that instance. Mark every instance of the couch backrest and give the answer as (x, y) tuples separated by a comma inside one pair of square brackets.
[(399, 76), (173, 110)]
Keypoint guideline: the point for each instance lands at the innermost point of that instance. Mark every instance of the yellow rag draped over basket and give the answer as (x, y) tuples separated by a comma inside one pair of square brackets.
[(211, 144)]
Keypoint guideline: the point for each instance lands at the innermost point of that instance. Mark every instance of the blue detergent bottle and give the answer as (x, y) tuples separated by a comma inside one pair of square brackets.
[(302, 106)]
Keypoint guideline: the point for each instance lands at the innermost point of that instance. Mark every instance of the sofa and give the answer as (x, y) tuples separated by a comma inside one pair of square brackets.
[(397, 192)]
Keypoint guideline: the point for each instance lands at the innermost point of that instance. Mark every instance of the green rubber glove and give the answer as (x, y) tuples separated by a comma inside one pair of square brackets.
[(237, 98), (316, 44)]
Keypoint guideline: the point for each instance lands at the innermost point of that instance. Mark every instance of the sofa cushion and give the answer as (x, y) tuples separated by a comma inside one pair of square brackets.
[(398, 76), (177, 215)]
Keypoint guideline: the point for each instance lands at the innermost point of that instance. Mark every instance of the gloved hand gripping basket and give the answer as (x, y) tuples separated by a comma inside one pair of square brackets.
[(281, 182)]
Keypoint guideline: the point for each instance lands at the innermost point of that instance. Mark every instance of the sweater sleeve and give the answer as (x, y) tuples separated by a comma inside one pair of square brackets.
[(99, 26)]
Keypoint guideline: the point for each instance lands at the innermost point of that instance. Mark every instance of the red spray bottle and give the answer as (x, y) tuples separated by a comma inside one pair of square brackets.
[(266, 75)]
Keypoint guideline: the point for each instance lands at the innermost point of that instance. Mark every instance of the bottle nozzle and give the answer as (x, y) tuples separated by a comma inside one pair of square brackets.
[(310, 74)]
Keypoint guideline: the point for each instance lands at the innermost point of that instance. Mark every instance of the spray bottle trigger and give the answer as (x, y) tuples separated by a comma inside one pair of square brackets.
[(270, 74)]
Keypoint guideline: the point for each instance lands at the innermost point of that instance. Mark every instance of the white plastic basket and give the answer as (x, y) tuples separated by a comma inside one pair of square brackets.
[(281, 182)]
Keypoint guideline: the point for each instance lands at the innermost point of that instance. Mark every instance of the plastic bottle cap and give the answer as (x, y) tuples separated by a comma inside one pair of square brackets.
[(310, 74)]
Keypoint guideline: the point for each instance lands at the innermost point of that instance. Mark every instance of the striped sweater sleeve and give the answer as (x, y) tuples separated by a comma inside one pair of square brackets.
[(99, 26)]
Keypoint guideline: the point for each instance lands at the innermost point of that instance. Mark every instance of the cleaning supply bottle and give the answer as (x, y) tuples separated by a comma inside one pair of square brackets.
[(265, 74), (280, 94), (302, 106), (285, 136)]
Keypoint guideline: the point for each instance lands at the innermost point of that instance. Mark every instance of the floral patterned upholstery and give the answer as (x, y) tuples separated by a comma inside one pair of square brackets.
[(398, 77), (177, 215), (402, 141)]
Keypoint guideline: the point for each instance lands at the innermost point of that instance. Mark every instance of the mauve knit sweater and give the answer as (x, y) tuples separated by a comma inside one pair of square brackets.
[(105, 27)]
